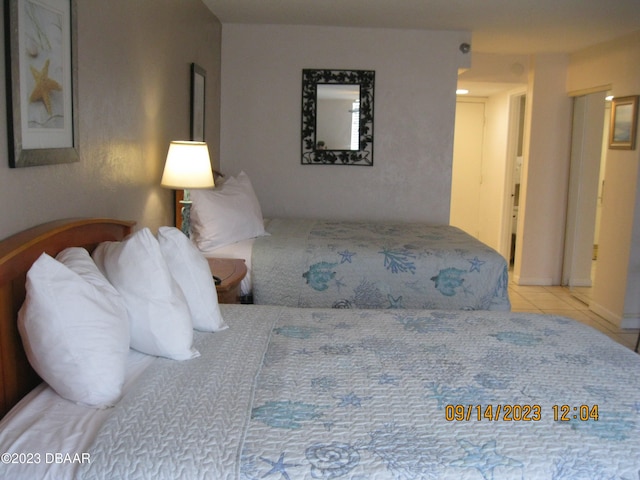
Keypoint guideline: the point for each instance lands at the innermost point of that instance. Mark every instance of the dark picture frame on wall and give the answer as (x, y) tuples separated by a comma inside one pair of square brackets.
[(624, 123), (333, 88), (41, 65), (198, 83)]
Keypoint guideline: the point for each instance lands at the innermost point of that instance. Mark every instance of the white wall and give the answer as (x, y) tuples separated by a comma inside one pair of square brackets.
[(414, 117), (540, 237), (617, 282), (466, 182), (133, 88), (545, 170), (543, 194), (494, 172)]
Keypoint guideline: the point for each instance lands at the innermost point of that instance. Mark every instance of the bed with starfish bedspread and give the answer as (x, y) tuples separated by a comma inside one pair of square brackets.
[(354, 394), (346, 264)]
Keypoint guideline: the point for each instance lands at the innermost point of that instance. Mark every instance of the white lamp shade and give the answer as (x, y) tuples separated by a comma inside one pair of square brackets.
[(188, 166)]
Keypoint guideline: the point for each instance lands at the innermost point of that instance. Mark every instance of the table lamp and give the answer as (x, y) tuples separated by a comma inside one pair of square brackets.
[(188, 166)]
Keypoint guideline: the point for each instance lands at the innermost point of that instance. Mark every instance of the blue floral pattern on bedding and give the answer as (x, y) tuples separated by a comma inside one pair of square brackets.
[(368, 394), (367, 398), (313, 263)]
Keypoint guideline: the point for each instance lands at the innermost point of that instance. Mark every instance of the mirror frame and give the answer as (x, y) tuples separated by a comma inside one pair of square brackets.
[(310, 80)]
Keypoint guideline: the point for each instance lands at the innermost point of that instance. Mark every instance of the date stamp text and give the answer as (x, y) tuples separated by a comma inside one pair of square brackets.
[(519, 413)]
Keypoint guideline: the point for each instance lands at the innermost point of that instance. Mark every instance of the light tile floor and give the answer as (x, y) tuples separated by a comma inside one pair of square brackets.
[(561, 301)]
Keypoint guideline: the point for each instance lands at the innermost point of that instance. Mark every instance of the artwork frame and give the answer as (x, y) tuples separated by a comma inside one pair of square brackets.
[(312, 151), (198, 93), (42, 79), (624, 123)]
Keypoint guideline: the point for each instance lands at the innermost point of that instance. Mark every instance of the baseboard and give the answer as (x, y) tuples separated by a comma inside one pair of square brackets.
[(541, 282), (605, 313), (630, 322), (582, 282)]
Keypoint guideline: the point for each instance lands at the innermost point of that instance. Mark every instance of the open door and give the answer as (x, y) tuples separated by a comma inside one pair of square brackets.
[(585, 189), (513, 177)]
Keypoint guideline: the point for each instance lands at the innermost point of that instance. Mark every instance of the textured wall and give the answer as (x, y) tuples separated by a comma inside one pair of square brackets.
[(617, 281), (416, 74), (545, 174), (133, 74)]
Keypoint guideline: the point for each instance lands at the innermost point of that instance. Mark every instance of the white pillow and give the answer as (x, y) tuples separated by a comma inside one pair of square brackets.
[(74, 328), (159, 317), (191, 271), (227, 214)]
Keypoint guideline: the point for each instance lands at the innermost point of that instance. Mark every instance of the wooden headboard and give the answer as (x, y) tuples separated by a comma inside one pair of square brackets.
[(17, 254)]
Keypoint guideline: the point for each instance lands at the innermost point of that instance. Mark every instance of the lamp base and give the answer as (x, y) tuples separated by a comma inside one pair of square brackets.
[(186, 213)]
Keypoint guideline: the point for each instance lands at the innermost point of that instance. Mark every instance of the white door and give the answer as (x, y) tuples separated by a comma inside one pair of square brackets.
[(584, 179)]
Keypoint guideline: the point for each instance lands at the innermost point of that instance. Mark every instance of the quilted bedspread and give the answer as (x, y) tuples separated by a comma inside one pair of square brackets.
[(314, 263), (375, 394)]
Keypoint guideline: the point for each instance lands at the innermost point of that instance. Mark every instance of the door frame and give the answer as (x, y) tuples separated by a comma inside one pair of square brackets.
[(582, 197), (513, 132)]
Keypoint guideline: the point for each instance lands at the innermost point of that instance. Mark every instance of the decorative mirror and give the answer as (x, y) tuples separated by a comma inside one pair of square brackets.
[(337, 117)]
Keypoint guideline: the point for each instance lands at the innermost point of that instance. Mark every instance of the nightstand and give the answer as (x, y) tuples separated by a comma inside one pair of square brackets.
[(231, 271)]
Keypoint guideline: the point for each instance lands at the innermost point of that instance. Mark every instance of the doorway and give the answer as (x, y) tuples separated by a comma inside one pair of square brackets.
[(586, 192), (514, 166), (487, 161)]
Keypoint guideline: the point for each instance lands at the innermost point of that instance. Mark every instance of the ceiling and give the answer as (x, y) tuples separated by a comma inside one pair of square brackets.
[(497, 26)]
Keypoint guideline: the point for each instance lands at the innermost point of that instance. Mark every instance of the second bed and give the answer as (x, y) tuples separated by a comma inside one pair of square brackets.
[(347, 264)]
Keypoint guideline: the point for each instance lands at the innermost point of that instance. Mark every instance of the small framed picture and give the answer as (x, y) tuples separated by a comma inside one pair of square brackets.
[(624, 123), (198, 79)]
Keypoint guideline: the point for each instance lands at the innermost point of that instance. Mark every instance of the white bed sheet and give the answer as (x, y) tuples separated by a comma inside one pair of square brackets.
[(46, 430), (241, 250)]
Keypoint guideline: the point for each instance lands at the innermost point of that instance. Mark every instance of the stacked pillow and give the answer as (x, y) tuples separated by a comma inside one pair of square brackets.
[(191, 271), (74, 328), (160, 322), (81, 315), (227, 214)]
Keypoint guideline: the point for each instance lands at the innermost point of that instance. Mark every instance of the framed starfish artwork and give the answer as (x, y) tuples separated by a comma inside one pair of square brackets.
[(42, 101)]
